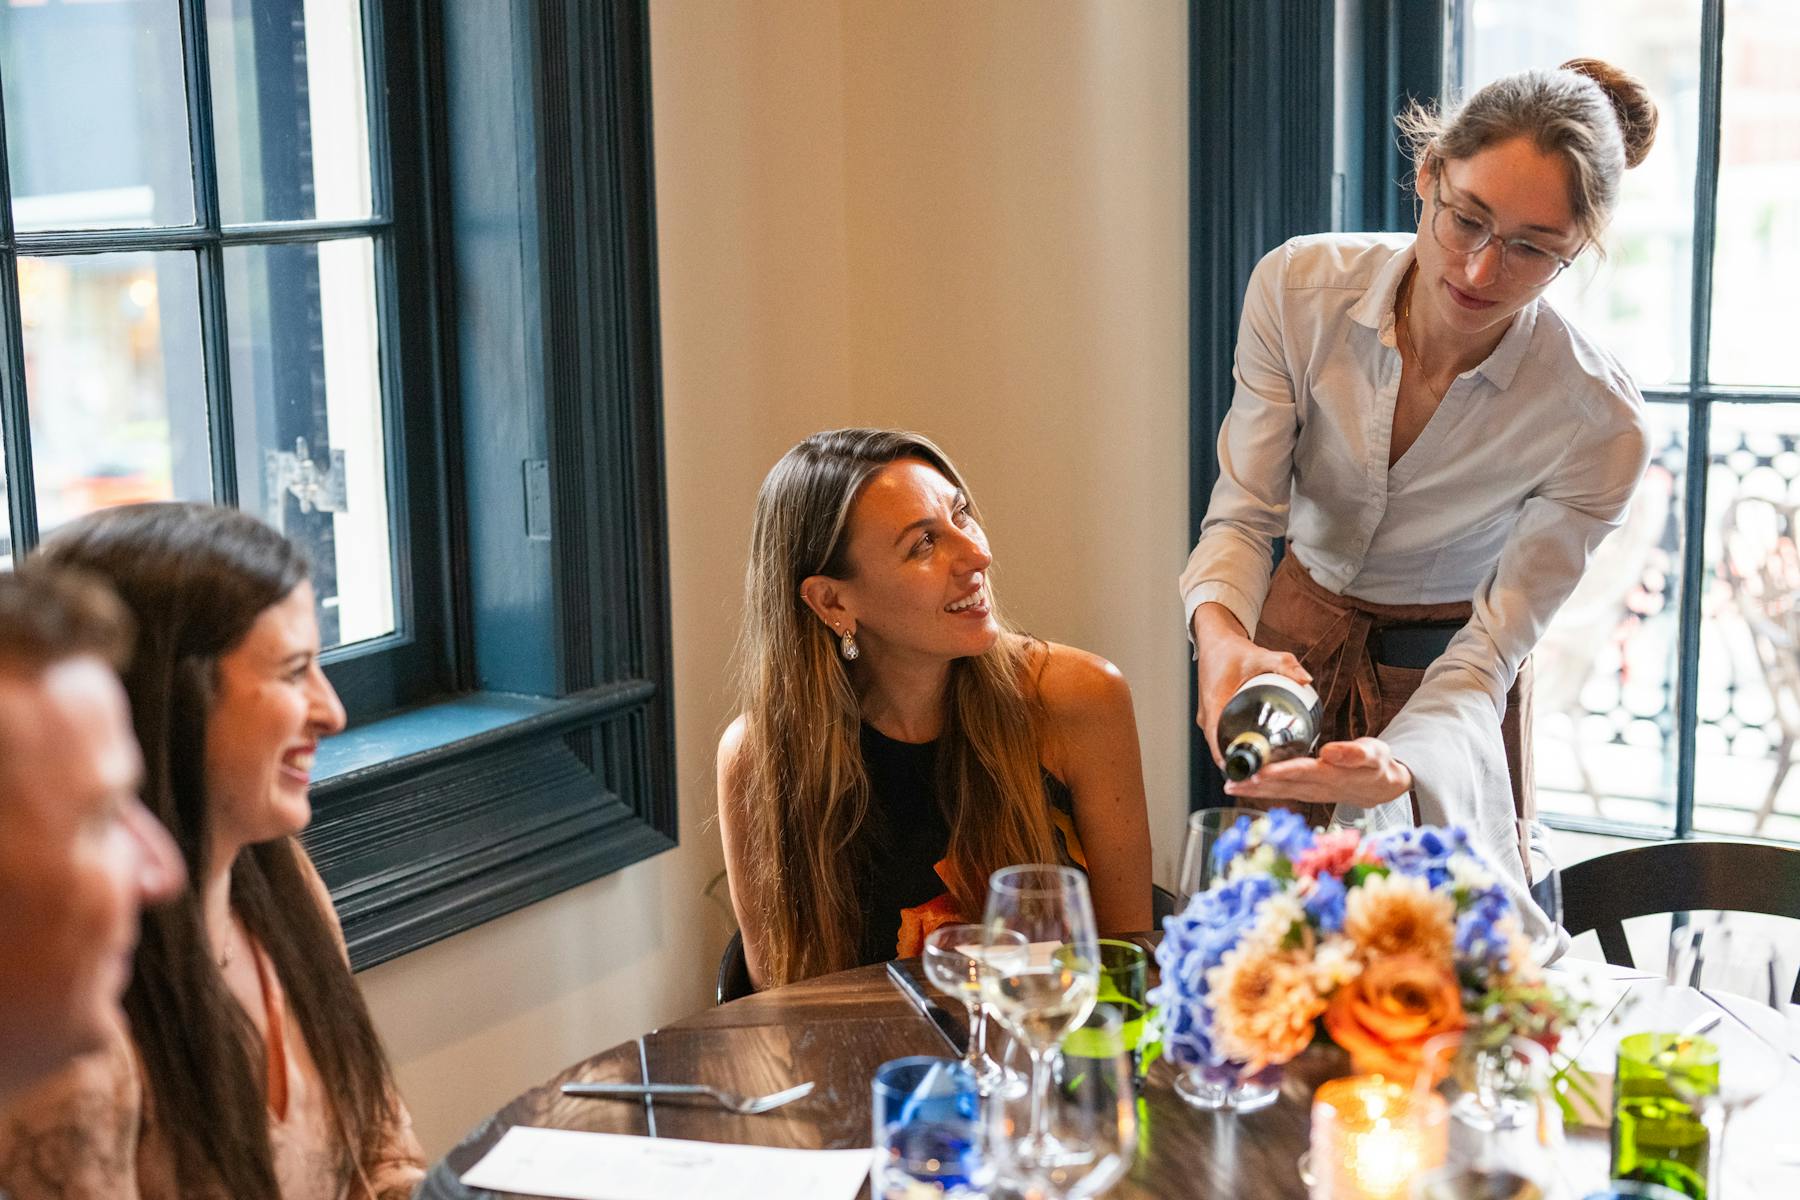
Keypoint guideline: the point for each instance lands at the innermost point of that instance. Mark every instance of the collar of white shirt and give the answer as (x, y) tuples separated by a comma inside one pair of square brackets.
[(1376, 311)]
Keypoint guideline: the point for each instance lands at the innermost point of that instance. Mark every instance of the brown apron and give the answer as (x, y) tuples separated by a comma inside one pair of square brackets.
[(1358, 697)]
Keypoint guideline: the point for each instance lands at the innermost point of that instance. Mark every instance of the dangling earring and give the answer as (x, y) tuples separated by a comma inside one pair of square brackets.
[(847, 646)]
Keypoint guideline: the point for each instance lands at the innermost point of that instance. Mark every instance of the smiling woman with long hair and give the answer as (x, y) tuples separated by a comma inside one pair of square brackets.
[(898, 741), (250, 1068)]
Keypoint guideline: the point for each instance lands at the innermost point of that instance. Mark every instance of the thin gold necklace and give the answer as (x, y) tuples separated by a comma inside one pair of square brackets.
[(1411, 349)]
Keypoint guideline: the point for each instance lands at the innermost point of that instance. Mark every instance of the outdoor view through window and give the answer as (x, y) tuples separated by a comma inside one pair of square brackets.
[(1608, 712), (199, 301)]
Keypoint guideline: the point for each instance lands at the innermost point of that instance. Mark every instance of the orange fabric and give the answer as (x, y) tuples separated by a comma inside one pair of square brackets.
[(918, 922)]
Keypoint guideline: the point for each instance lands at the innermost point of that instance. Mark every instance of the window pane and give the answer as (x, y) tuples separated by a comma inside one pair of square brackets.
[(1637, 302), (1604, 714), (1756, 264), (96, 115), (114, 381), (305, 367), (1750, 641), (288, 109)]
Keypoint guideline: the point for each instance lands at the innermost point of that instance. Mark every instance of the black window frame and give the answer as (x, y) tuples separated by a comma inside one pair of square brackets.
[(413, 663), (530, 748)]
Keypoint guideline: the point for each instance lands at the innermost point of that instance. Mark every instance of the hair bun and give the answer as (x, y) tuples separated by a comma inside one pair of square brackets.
[(1631, 104)]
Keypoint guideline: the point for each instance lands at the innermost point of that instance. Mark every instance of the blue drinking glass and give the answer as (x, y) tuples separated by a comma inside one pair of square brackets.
[(928, 1131)]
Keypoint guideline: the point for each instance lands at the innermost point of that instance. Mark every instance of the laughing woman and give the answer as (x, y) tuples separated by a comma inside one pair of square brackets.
[(250, 1069), (898, 741)]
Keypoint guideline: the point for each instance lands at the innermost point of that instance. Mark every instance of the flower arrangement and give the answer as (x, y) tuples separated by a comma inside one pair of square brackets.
[(1383, 941)]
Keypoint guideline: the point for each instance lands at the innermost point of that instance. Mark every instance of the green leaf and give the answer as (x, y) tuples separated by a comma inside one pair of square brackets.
[(1355, 876)]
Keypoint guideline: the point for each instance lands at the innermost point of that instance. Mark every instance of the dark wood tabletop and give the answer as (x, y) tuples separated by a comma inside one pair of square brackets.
[(837, 1029)]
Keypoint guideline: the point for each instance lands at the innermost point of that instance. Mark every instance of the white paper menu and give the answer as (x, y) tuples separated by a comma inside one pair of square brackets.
[(608, 1166)]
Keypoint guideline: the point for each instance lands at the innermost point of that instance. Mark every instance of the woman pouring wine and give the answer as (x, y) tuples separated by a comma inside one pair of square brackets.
[(1442, 451)]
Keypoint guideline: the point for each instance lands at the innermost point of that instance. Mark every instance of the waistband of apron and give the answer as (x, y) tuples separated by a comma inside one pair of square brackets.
[(1395, 635)]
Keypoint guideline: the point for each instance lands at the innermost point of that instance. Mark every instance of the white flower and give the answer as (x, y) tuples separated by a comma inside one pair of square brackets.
[(1467, 871)]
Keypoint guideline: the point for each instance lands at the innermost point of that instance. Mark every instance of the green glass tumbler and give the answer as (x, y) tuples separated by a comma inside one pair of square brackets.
[(1124, 985), (1665, 1112)]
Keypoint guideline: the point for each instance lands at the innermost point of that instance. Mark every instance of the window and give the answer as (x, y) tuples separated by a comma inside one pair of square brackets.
[(1696, 596), (381, 272), (200, 243)]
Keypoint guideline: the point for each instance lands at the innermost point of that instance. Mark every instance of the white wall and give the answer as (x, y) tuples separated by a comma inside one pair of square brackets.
[(967, 218)]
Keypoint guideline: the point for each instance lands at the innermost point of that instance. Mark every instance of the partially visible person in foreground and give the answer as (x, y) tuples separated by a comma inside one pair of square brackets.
[(898, 742), (79, 855), (250, 1069)]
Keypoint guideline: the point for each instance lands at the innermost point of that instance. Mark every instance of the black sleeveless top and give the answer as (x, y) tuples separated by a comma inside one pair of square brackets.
[(907, 835)]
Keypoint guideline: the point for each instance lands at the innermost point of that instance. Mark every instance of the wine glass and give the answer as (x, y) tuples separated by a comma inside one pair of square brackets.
[(1739, 971), (1502, 1134), (1205, 827), (1042, 996), (1090, 1111), (1545, 878), (956, 957)]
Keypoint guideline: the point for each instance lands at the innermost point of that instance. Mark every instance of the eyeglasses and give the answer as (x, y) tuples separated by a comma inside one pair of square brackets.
[(1461, 232)]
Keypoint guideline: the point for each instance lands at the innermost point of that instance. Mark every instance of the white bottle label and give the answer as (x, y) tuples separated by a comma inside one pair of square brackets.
[(1301, 691)]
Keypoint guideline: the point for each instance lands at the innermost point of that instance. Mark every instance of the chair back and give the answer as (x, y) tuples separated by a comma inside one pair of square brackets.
[(1677, 877), (733, 982)]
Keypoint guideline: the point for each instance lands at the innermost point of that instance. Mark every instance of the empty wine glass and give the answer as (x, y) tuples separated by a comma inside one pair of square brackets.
[(1044, 995), (1090, 1111), (1545, 878), (1739, 971), (1205, 827), (1502, 1135), (956, 957)]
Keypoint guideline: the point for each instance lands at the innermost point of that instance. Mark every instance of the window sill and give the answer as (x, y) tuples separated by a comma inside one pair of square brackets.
[(432, 821)]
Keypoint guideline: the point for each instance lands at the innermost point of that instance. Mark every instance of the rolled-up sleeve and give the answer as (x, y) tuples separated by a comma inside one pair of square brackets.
[(1231, 563), (1448, 733)]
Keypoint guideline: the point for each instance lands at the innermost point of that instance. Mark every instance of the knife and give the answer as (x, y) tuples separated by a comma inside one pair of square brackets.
[(930, 1009)]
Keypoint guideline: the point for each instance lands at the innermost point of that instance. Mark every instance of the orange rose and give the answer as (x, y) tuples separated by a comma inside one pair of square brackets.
[(1385, 1015)]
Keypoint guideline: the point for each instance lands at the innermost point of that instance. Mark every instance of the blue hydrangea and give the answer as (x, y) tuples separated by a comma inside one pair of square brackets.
[(1232, 842), (1289, 833), (1326, 905), (1478, 936), (1423, 851), (1194, 941)]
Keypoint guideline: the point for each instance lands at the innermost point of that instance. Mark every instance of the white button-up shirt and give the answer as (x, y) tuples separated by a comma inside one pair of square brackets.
[(1528, 462)]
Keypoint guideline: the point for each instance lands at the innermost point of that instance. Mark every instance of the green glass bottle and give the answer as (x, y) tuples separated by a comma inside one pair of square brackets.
[(1665, 1111)]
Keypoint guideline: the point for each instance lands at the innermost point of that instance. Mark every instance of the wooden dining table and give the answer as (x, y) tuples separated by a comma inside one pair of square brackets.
[(835, 1031)]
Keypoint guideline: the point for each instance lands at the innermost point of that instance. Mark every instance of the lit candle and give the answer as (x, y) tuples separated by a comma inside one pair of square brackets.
[(1371, 1137)]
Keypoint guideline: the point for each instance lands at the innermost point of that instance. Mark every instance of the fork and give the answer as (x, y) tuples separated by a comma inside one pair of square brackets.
[(747, 1105)]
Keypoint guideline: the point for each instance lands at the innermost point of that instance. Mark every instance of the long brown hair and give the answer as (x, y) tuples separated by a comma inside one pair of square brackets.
[(800, 772), (195, 578), (1598, 119)]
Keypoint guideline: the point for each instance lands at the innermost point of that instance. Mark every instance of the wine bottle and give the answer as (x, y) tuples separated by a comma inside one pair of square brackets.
[(1269, 718)]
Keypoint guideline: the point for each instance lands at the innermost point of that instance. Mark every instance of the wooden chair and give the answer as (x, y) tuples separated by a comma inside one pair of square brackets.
[(733, 980), (1671, 877)]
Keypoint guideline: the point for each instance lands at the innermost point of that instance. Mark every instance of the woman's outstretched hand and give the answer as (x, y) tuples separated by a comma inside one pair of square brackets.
[(1362, 773), (1225, 657)]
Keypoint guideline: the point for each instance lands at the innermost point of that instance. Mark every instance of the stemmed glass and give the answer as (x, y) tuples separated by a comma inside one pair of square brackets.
[(1546, 887), (1044, 995), (1741, 972), (1205, 827), (956, 957), (1208, 1086), (1091, 1112)]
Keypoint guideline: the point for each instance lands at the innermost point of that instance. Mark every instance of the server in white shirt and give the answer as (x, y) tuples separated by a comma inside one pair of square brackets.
[(1442, 451)]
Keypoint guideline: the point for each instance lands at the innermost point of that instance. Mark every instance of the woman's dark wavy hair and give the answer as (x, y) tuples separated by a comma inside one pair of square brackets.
[(195, 578)]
